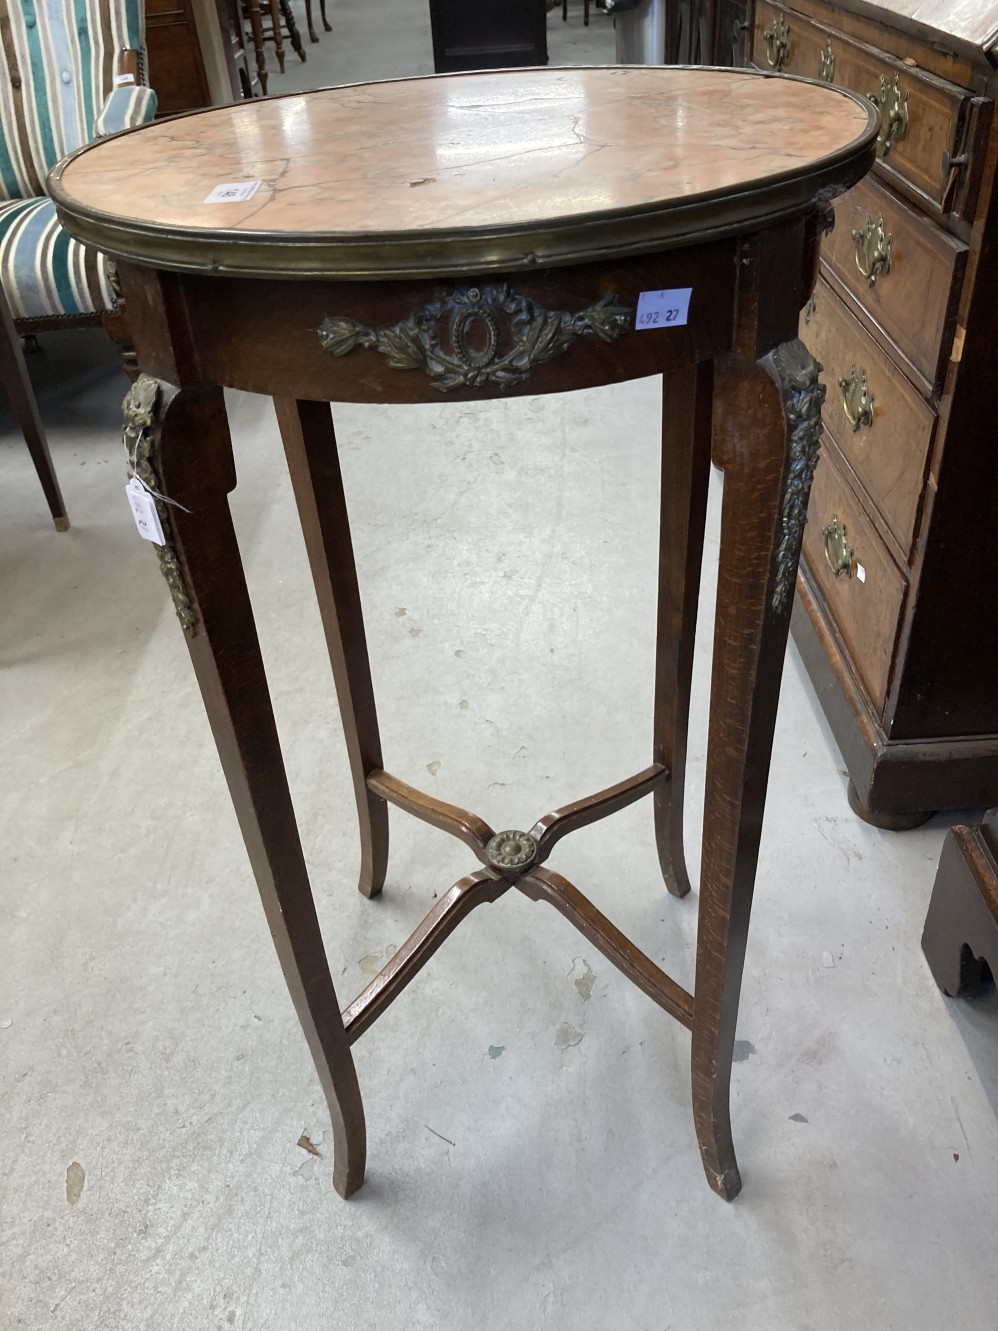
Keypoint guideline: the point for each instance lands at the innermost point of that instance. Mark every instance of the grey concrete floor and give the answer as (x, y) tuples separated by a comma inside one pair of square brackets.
[(532, 1155)]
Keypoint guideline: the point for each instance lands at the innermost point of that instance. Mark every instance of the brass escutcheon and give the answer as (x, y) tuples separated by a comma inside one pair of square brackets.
[(873, 248), (837, 550), (857, 400), (777, 39), (893, 106), (826, 63)]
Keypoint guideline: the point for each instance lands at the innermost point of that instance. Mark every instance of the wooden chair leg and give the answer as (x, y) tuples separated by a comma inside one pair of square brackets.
[(277, 36), (205, 573), (313, 36), (294, 36), (766, 428), (686, 417), (15, 382), (310, 444), (322, 10), (252, 8)]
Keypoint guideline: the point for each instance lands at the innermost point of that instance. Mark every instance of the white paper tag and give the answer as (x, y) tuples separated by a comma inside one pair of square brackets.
[(143, 507), (123, 80), (663, 309), (235, 191), (861, 572)]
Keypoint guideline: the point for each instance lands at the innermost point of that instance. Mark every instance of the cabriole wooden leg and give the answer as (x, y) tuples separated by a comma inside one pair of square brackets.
[(310, 444), (766, 428), (686, 416), (204, 571)]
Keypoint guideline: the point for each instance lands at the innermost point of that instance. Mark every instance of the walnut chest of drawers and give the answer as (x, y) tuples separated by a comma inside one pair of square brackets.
[(896, 598)]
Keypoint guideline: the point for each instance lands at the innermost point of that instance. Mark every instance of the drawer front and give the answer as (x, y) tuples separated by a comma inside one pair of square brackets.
[(786, 42), (922, 117), (865, 598), (911, 294), (880, 424)]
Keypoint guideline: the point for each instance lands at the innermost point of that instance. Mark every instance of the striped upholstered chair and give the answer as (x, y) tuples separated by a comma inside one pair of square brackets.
[(73, 72)]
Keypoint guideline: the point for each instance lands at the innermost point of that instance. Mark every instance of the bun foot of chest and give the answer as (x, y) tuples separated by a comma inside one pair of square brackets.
[(890, 822)]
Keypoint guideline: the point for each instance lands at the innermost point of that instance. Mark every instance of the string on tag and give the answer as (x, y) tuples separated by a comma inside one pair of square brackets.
[(132, 467)]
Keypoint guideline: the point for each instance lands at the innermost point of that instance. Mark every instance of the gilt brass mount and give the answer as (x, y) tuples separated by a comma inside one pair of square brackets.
[(893, 106), (470, 336), (511, 850), (777, 39), (837, 549), (857, 400), (826, 63), (873, 249), (143, 410)]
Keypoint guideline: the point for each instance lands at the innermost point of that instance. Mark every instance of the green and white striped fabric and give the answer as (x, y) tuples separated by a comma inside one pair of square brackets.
[(44, 272), (56, 93)]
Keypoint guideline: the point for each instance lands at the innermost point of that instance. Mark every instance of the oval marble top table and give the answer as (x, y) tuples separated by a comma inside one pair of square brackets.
[(477, 171)]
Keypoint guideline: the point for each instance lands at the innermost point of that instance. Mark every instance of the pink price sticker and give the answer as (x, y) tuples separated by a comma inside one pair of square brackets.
[(663, 309)]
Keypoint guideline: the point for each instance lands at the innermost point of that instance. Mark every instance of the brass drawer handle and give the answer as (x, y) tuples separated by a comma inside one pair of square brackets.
[(837, 550), (893, 105), (777, 39), (826, 63), (873, 249), (857, 400)]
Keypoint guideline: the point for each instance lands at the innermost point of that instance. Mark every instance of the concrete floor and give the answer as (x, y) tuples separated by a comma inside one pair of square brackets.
[(532, 1155)]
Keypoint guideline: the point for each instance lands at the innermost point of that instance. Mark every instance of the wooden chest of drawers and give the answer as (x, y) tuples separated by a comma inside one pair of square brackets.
[(898, 589)]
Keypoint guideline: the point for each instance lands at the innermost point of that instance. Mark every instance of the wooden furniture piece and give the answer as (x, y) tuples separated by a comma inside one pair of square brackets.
[(960, 940), (706, 32), (313, 36), (487, 34), (197, 54), (585, 12), (901, 551), (282, 19), (16, 384), (431, 263)]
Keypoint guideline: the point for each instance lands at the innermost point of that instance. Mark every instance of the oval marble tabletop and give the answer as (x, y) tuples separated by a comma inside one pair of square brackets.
[(466, 172)]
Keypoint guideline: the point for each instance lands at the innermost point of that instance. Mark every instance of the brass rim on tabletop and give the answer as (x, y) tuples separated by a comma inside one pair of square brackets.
[(521, 246)]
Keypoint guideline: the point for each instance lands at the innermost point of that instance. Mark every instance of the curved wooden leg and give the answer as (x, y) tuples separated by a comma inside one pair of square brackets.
[(766, 428), (204, 571), (313, 36), (310, 445), (322, 10), (686, 416)]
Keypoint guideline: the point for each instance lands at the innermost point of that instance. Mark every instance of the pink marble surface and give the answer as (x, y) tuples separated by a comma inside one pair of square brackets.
[(466, 151)]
